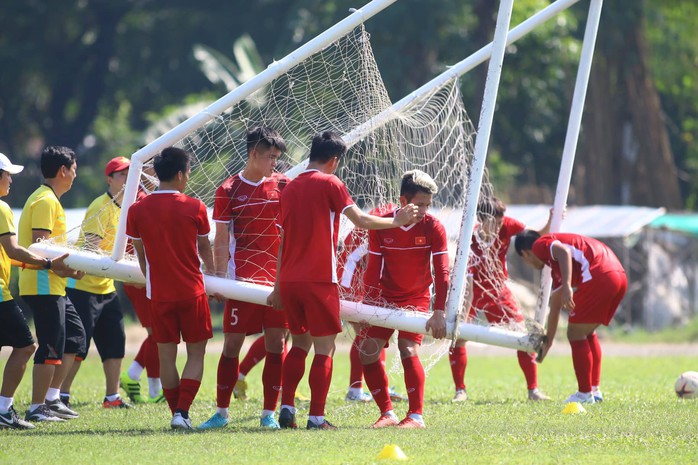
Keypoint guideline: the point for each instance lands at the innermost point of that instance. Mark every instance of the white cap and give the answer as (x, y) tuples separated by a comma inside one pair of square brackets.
[(6, 165)]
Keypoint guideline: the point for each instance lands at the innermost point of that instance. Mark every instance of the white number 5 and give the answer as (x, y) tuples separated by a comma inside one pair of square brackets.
[(233, 317)]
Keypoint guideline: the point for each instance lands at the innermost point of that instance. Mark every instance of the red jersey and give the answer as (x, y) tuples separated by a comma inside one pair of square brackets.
[(169, 223), (310, 208), (590, 257), (399, 261), (489, 266), (251, 210)]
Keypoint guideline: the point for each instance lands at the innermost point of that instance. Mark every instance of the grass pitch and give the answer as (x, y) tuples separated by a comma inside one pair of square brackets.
[(641, 421)]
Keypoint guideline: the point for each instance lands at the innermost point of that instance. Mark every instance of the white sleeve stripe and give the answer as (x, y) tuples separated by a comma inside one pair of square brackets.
[(375, 253), (133, 237), (222, 221), (440, 253), (348, 206)]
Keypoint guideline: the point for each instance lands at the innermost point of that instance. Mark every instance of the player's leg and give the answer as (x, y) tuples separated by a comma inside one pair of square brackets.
[(75, 343), (84, 306), (147, 357), (255, 354), (356, 393), (458, 359), (408, 345), (319, 379), (275, 333), (582, 360), (14, 332), (372, 346), (596, 356), (110, 340)]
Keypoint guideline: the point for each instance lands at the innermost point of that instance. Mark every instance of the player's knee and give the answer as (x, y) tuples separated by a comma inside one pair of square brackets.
[(26, 352)]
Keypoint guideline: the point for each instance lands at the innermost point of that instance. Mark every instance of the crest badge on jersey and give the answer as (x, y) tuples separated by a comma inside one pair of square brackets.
[(242, 198), (389, 240), (273, 195), (420, 240)]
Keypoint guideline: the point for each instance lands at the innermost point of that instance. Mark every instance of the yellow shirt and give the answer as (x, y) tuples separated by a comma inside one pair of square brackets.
[(7, 226), (101, 220), (42, 210)]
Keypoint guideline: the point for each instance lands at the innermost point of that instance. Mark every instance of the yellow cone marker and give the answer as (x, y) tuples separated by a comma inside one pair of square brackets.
[(574, 407), (392, 452)]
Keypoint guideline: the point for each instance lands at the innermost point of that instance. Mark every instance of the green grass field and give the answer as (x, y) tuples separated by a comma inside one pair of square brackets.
[(641, 421)]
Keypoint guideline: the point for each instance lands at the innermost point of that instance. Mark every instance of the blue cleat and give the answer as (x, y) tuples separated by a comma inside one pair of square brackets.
[(269, 422), (215, 422)]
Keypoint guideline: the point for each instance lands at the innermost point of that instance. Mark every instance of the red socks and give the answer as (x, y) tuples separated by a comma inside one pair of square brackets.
[(319, 379), (414, 382), (187, 391), (271, 380), (255, 355), (458, 357), (596, 354), (226, 378), (527, 362), (377, 382), (582, 361), (292, 373), (152, 359), (172, 398)]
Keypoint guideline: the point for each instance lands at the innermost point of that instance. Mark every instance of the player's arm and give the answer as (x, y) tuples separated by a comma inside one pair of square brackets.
[(140, 254), (206, 255), (553, 320), (274, 299), (61, 269), (563, 257), (546, 229), (366, 221), (22, 257), (437, 322), (220, 248)]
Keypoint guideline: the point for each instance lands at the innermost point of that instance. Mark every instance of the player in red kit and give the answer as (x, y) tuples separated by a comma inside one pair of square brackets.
[(589, 282), (306, 285), (399, 271), (170, 231), (490, 293), (245, 248)]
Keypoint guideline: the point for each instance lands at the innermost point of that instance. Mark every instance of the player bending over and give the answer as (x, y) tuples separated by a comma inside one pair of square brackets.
[(306, 285), (399, 271), (170, 231), (589, 282)]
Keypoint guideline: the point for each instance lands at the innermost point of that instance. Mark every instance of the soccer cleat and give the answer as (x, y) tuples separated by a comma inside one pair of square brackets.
[(180, 423), (12, 420), (132, 388), (240, 390), (460, 396), (60, 410), (396, 396), (326, 425), (215, 422), (361, 397), (287, 420), (581, 397), (598, 396), (411, 423), (269, 422), (536, 395), (160, 398), (118, 403), (385, 421), (42, 413)]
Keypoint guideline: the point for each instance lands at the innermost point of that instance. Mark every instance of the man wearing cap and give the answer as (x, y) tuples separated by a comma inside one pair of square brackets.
[(94, 297), (14, 330)]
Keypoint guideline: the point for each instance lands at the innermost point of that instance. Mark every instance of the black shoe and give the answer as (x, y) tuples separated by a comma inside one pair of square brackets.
[(60, 410), (42, 413), (12, 420), (324, 425), (65, 399), (287, 419)]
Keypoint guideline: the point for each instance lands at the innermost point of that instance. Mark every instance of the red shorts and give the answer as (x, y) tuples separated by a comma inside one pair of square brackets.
[(311, 307), (191, 318), (501, 308), (247, 318), (141, 304), (376, 332), (596, 301)]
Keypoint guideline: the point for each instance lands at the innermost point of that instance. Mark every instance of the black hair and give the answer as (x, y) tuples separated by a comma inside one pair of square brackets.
[(53, 157), (525, 239), (490, 207), (169, 162), (266, 137), (327, 145)]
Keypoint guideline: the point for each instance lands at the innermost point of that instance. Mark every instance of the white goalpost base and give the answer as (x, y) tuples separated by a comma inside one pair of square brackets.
[(405, 320)]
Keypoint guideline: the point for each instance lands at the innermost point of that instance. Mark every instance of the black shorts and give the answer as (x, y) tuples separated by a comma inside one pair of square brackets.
[(58, 327), (103, 321), (14, 330)]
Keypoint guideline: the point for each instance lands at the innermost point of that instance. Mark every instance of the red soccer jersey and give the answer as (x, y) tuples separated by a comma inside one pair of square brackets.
[(169, 223), (489, 266), (590, 257), (310, 208), (404, 257), (251, 210)]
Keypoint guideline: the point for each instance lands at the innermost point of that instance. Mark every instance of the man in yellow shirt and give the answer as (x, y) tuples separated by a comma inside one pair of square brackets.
[(94, 297), (14, 331), (59, 331)]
